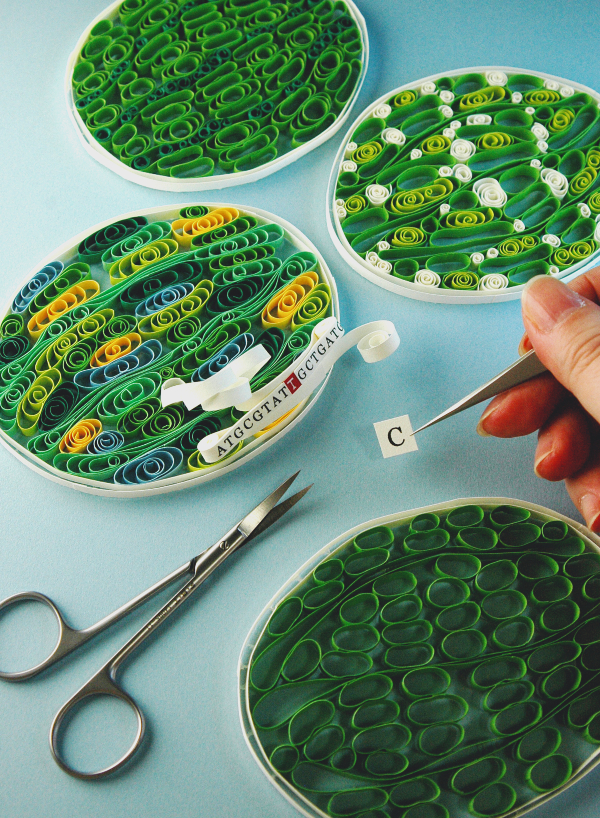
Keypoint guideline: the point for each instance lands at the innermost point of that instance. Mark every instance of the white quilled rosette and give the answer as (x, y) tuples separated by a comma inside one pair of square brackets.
[(492, 282), (556, 181), (464, 150), (227, 388), (219, 180)]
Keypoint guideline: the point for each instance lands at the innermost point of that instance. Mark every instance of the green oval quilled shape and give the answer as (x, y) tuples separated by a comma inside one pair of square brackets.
[(427, 681), (383, 762), (358, 609), (506, 693), (479, 774), (460, 566), (513, 633), (447, 591), (479, 539), (440, 739), (516, 717), (309, 719), (371, 714), (424, 522), (519, 535), (437, 709), (407, 633), (402, 609), (284, 758), (464, 517), (496, 576), (327, 571), (348, 803), (423, 541), (322, 594), (369, 688), (549, 773), (383, 737), (365, 561), (285, 616), (355, 637), (421, 790), (502, 516), (496, 799), (341, 665), (552, 589), (537, 566), (380, 537), (458, 617), (302, 661), (503, 604), (396, 583), (538, 744), (451, 680)]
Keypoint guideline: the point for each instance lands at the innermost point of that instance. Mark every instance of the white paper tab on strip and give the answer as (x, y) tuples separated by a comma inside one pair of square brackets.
[(395, 436)]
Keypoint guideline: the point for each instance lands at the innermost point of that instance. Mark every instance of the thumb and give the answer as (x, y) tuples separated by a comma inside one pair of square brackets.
[(564, 329)]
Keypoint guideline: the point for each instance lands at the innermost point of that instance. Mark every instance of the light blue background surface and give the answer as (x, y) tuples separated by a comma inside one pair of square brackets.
[(92, 554)]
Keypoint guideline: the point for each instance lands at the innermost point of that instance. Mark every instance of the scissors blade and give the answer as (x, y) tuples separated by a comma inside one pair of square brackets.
[(278, 512), (252, 520), (520, 371)]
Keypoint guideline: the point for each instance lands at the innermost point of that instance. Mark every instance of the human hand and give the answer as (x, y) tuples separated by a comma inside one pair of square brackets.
[(563, 326)]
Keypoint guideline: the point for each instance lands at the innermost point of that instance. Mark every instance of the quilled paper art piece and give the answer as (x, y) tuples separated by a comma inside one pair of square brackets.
[(440, 663), (201, 95), (200, 295), (462, 186)]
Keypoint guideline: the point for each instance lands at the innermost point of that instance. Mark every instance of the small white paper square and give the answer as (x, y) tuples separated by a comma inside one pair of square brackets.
[(395, 436)]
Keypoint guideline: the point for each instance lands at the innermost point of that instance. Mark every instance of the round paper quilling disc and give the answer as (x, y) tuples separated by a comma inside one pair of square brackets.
[(462, 296), (447, 802), (219, 178), (294, 241)]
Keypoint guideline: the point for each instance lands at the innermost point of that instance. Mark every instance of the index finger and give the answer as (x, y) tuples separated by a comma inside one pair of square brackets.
[(587, 285)]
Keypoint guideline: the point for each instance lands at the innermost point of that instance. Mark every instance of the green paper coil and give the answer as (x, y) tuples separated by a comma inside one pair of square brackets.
[(462, 681)]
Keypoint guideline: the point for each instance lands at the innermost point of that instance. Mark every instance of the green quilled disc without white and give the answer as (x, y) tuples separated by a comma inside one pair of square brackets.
[(99, 326), (461, 187), (203, 94), (439, 663)]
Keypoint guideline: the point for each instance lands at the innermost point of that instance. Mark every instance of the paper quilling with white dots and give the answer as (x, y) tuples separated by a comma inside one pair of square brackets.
[(463, 186)]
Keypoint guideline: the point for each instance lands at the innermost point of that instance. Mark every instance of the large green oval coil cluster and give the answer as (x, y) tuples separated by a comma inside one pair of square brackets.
[(188, 89), (447, 666)]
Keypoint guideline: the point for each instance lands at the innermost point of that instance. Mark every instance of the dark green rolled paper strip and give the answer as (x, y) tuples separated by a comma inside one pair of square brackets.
[(441, 665)]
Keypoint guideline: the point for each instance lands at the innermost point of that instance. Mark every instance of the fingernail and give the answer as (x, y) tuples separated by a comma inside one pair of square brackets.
[(539, 460), (590, 509), (480, 426), (524, 345), (547, 302)]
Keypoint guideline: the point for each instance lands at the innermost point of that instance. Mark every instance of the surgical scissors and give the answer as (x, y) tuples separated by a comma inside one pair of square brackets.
[(104, 683)]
